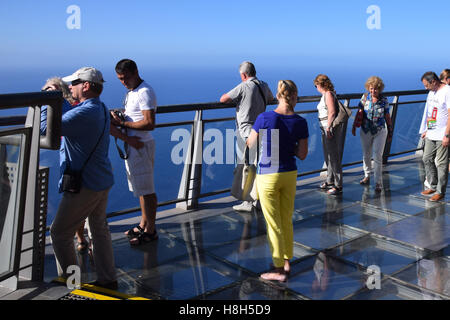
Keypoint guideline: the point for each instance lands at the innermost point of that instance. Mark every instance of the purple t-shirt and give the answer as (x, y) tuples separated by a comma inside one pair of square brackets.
[(279, 135)]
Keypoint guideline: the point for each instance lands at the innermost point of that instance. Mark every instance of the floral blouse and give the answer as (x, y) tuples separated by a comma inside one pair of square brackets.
[(374, 113)]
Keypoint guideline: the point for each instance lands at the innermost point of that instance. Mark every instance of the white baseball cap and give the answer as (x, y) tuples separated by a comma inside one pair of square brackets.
[(87, 74)]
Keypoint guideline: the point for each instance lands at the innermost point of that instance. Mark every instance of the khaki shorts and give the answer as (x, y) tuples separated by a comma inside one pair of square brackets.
[(139, 167)]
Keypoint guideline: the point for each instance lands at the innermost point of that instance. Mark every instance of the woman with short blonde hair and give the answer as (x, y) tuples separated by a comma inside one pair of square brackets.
[(375, 125)]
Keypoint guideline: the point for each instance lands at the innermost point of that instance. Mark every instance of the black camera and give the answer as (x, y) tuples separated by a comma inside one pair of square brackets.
[(71, 181), (119, 114)]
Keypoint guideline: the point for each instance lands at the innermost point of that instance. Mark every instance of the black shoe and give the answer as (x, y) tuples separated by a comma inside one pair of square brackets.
[(113, 285)]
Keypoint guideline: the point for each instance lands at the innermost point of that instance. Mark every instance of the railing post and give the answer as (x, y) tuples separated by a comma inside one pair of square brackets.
[(393, 114), (190, 184)]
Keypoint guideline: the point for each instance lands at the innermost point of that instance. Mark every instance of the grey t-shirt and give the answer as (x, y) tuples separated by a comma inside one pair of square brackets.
[(249, 103)]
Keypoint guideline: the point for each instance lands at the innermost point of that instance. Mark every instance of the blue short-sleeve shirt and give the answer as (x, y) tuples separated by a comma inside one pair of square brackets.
[(279, 136), (82, 127)]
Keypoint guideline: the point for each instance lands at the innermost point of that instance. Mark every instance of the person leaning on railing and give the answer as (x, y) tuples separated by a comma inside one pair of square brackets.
[(56, 84), (332, 137), (375, 121), (277, 174)]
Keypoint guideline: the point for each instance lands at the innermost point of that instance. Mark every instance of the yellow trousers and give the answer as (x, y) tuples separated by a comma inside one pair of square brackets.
[(276, 194)]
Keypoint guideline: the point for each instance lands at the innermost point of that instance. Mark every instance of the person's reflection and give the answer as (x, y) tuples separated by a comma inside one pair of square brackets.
[(432, 271), (322, 271), (150, 282), (5, 188), (433, 274), (249, 217), (252, 289), (332, 222)]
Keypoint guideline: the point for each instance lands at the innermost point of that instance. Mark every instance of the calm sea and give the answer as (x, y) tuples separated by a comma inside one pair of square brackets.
[(191, 85)]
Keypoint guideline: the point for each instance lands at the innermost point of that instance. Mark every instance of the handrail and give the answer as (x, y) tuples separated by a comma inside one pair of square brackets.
[(200, 107)]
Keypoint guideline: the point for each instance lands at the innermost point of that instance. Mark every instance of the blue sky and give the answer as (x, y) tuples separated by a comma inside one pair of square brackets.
[(198, 32), (280, 37)]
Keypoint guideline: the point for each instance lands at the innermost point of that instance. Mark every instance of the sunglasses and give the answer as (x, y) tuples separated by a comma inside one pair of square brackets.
[(76, 82)]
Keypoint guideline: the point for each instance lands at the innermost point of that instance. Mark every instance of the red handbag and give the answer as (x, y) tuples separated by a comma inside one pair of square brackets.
[(358, 119)]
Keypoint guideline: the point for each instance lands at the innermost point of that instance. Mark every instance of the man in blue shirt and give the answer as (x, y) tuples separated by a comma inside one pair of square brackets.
[(84, 150)]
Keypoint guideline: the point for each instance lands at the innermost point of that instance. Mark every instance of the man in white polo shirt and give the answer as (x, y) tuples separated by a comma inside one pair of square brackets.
[(435, 129), (140, 109)]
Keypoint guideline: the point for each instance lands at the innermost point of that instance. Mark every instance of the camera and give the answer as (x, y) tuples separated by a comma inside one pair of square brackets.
[(119, 114)]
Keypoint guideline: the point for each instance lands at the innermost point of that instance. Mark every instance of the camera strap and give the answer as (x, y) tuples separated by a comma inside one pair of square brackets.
[(123, 154)]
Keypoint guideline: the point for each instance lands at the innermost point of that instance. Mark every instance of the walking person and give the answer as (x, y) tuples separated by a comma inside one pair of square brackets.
[(251, 97), (140, 109), (86, 178), (285, 134), (435, 130), (376, 127), (332, 136)]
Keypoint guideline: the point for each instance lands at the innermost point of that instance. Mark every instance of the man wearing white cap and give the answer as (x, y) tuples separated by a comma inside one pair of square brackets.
[(86, 177)]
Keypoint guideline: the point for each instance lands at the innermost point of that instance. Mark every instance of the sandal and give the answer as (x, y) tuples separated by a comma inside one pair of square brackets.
[(133, 234), (334, 190), (364, 181), (144, 237), (325, 185)]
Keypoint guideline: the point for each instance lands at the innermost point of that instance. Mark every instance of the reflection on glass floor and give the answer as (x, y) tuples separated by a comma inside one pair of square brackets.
[(216, 253)]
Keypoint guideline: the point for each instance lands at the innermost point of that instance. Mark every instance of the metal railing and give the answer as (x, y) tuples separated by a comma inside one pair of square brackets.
[(27, 229), (190, 184)]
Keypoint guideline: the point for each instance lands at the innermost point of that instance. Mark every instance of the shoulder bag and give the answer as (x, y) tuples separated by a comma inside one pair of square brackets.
[(344, 112), (244, 186)]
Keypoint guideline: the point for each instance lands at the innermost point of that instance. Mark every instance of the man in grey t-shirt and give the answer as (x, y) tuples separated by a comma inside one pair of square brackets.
[(251, 97)]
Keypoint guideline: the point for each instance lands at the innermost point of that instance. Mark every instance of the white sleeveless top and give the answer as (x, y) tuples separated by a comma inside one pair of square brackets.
[(323, 112)]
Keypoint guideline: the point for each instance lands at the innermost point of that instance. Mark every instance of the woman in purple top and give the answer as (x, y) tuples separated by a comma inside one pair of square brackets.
[(284, 136)]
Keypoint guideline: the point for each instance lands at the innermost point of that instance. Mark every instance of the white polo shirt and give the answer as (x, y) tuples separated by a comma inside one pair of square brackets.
[(435, 115), (141, 98)]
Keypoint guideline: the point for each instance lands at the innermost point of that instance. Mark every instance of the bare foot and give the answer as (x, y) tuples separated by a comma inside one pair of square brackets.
[(277, 275), (274, 276)]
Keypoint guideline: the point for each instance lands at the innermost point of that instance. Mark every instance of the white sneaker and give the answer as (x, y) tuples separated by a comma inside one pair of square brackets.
[(245, 206)]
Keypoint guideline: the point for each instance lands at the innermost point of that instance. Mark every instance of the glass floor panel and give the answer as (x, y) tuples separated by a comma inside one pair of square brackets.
[(421, 231), (431, 275), (367, 218), (216, 253), (323, 277), (388, 256), (187, 278), (320, 232), (252, 254), (392, 290), (254, 289)]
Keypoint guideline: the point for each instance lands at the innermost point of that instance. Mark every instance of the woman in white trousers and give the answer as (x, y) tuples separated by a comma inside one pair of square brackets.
[(374, 119)]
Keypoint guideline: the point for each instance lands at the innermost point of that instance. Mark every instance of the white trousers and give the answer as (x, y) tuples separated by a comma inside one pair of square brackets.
[(373, 144)]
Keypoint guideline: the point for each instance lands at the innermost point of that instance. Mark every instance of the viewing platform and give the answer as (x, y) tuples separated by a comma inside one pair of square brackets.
[(357, 245), (217, 253)]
